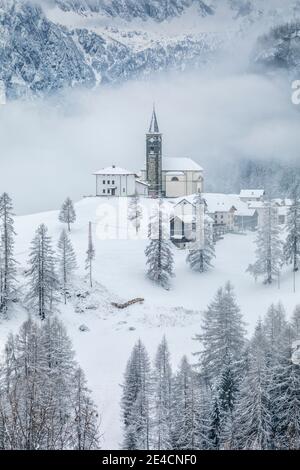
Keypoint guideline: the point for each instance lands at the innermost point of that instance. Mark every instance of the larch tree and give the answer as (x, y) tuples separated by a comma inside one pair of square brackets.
[(66, 262), (162, 427), (269, 248), (223, 335), (135, 401), (202, 250), (90, 255), (187, 427), (292, 244), (253, 424), (159, 253), (135, 212), (67, 213), (85, 424), (44, 401), (7, 261), (43, 283)]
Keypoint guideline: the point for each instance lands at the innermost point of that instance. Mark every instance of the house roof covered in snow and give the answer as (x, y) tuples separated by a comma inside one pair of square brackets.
[(180, 164), (249, 193), (218, 202), (113, 170)]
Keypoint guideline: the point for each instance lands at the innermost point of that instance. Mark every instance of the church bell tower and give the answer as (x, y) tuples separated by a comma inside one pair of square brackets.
[(154, 157)]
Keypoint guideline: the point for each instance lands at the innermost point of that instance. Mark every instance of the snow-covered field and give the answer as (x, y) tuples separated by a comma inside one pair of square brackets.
[(119, 270)]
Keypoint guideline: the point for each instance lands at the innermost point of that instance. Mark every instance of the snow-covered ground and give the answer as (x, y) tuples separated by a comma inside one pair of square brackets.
[(119, 270)]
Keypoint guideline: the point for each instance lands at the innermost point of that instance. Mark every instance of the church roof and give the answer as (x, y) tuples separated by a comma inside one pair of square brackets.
[(113, 170), (180, 164), (153, 129)]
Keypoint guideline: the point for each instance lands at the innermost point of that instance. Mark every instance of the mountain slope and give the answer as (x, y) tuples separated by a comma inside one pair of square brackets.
[(158, 10), (39, 56)]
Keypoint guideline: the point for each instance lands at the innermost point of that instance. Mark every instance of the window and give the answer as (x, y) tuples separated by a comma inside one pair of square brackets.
[(103, 181), (103, 191), (113, 182), (108, 191), (174, 178), (108, 182), (123, 190)]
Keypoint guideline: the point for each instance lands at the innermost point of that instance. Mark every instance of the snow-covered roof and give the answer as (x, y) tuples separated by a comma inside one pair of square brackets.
[(142, 182), (175, 173), (180, 164), (249, 193), (113, 170), (218, 202)]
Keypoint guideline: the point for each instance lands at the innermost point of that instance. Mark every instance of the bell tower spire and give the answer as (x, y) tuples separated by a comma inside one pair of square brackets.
[(154, 156)]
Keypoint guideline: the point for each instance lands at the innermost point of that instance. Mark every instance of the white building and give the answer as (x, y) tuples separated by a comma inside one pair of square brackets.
[(116, 181), (169, 177), (180, 177), (250, 195)]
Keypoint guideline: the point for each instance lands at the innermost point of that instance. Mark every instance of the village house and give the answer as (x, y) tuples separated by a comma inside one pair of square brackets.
[(116, 181), (252, 195)]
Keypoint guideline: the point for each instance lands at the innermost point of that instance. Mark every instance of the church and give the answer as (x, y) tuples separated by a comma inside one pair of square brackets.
[(166, 176)]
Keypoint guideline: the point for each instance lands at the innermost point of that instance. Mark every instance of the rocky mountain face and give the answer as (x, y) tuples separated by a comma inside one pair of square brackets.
[(38, 56), (41, 56), (280, 49), (159, 10)]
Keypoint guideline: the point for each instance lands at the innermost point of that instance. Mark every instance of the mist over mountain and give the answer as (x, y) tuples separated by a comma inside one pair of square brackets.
[(80, 78)]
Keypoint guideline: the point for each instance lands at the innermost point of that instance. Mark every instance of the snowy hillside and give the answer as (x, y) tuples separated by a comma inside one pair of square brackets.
[(119, 274)]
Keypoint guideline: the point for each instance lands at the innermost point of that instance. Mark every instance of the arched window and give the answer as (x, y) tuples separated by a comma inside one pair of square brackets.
[(174, 178)]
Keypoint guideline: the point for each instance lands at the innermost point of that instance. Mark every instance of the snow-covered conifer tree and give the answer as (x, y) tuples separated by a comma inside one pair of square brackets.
[(222, 335), (90, 255), (202, 250), (67, 213), (7, 261), (136, 400), (296, 322), (214, 426), (135, 212), (66, 262), (162, 428), (269, 248), (44, 402), (285, 394), (253, 417), (43, 284), (159, 253), (292, 244), (85, 424), (188, 430)]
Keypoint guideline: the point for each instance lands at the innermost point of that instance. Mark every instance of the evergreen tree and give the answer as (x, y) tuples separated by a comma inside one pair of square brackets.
[(253, 428), (292, 244), (269, 248), (43, 284), (135, 212), (159, 254), (136, 400), (162, 433), (42, 404), (7, 261), (86, 428), (277, 332), (67, 213), (66, 262), (203, 250), (222, 336), (214, 428), (90, 255), (296, 323), (286, 403), (188, 427)]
